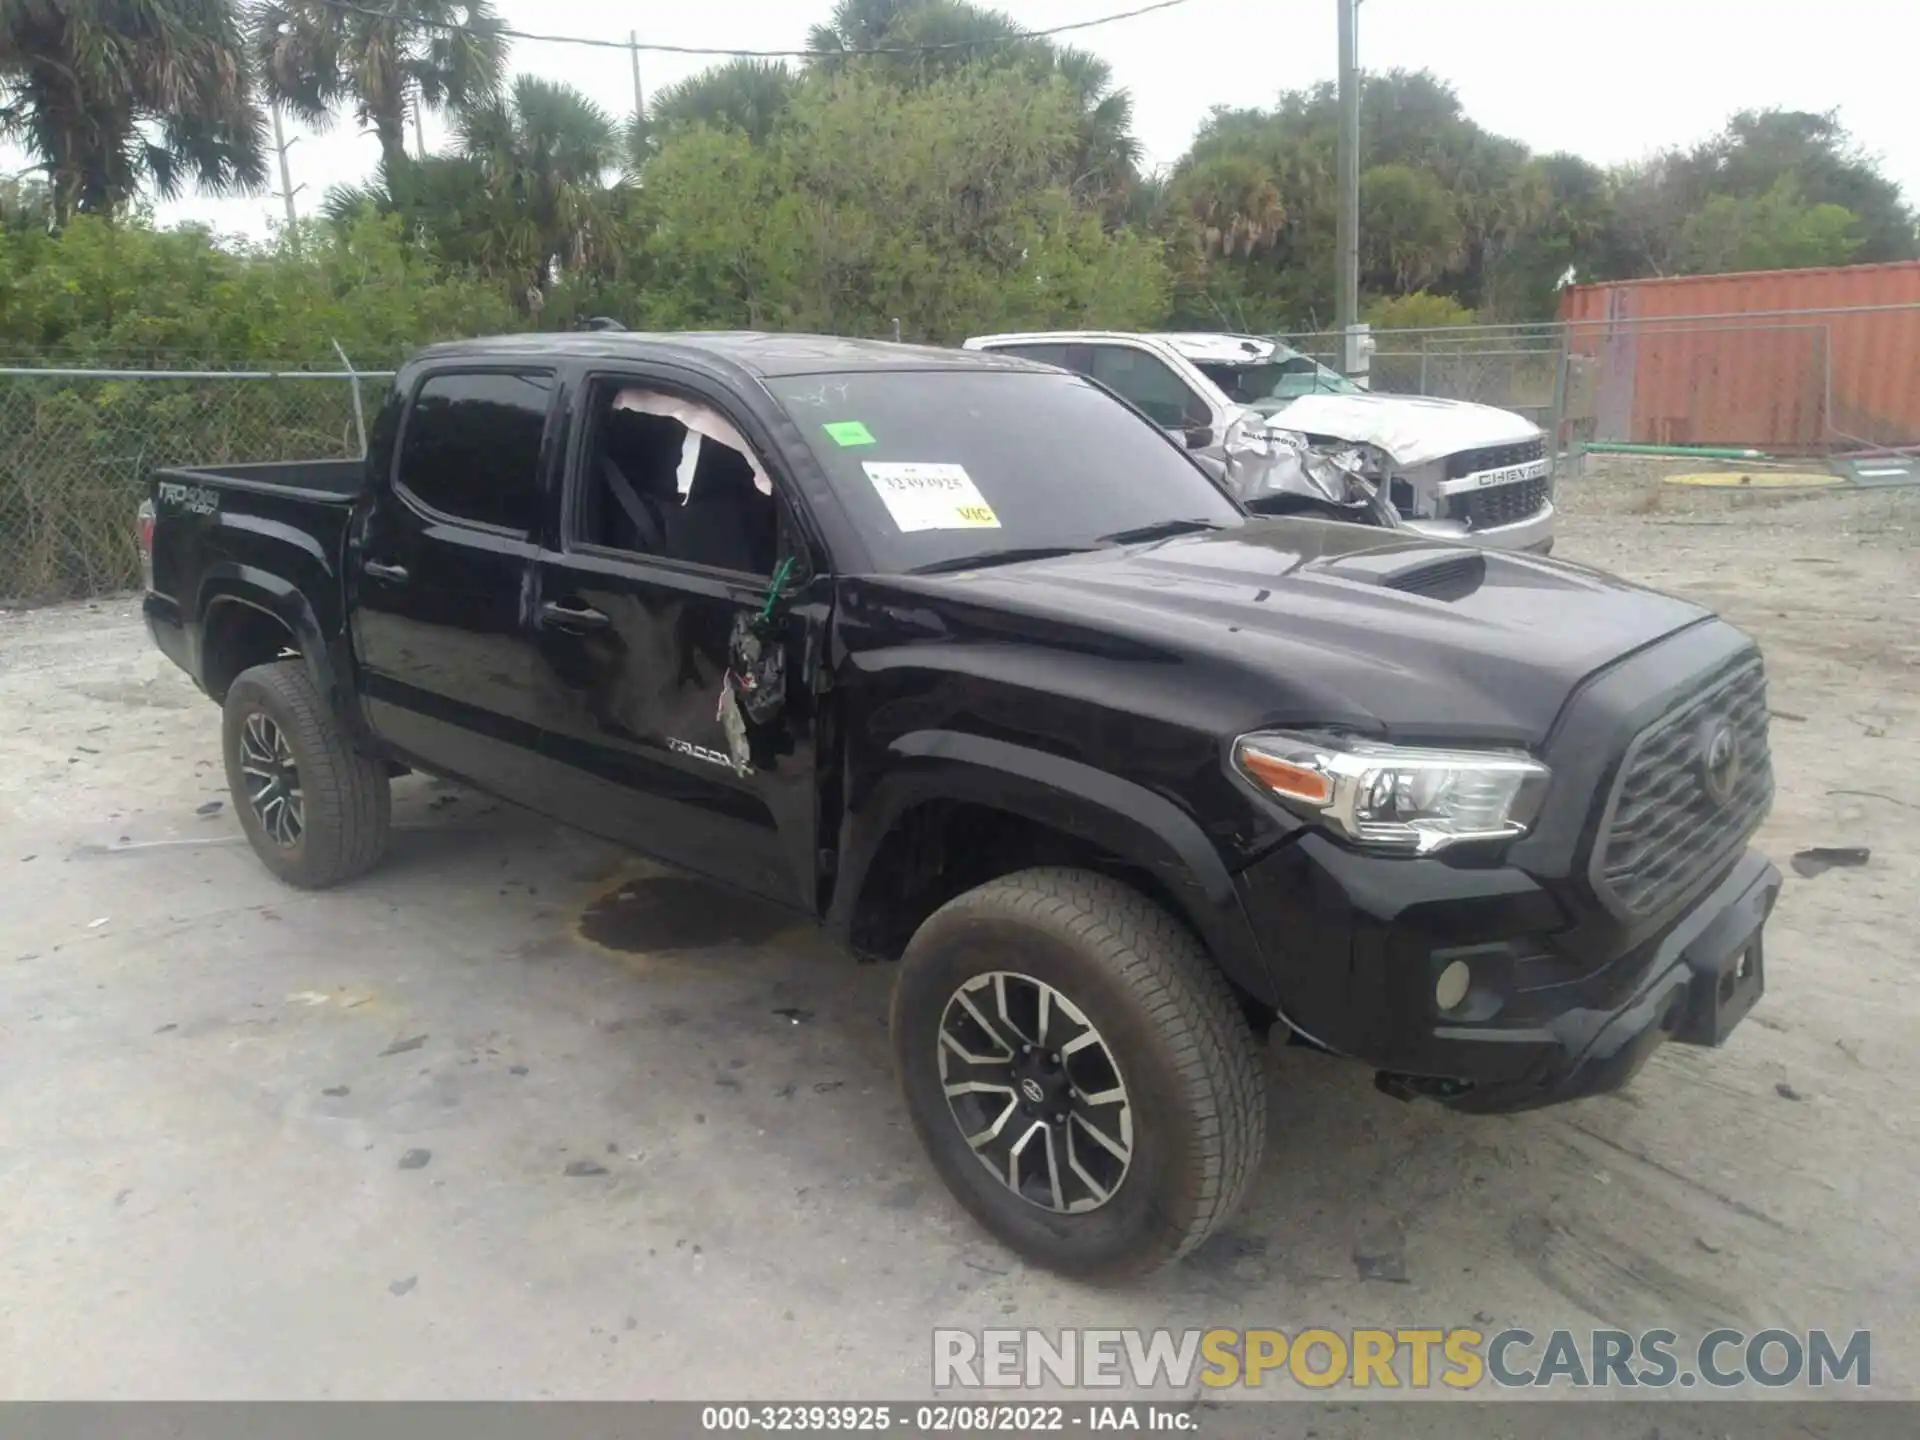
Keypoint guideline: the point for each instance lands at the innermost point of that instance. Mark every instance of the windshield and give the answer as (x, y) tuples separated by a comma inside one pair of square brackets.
[(937, 466), (1269, 384)]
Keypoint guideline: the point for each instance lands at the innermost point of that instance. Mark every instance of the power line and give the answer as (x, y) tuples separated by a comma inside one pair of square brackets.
[(725, 52)]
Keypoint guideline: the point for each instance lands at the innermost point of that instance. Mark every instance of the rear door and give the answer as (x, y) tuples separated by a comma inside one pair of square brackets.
[(675, 524), (443, 573)]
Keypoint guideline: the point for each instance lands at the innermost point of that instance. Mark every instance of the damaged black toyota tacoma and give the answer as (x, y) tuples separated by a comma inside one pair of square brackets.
[(967, 660)]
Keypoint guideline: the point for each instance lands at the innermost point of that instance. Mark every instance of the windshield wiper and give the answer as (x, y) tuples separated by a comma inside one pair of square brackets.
[(1159, 530), (1009, 556)]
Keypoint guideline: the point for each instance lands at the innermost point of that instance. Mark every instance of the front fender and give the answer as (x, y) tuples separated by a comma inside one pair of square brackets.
[(1144, 829)]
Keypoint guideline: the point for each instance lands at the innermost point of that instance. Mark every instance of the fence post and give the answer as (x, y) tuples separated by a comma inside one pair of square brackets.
[(359, 410), (1424, 338), (1562, 363)]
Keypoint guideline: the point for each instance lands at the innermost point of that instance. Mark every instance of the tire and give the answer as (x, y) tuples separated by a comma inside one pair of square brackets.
[(343, 802), (1177, 1039)]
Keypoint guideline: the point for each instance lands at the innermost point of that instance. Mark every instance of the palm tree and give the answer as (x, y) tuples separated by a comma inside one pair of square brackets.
[(954, 32), (314, 55), (959, 34), (109, 95), (1109, 158), (746, 95), (525, 194), (543, 156), (1235, 202)]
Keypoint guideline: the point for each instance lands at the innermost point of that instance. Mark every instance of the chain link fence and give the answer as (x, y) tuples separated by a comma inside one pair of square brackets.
[(1799, 383), (76, 447), (1512, 367)]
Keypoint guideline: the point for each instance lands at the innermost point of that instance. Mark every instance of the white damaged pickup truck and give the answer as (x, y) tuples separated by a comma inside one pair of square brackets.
[(1285, 428)]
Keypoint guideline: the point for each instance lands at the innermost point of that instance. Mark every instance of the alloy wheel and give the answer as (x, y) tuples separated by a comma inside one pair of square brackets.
[(1036, 1091), (272, 780)]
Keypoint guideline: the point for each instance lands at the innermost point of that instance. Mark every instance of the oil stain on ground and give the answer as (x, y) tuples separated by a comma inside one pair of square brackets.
[(673, 912)]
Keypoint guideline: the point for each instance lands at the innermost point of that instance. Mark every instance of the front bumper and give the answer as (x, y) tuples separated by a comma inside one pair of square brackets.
[(1539, 1023), (1535, 533)]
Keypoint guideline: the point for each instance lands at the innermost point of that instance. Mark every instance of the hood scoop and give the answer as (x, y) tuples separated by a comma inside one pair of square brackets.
[(1449, 574)]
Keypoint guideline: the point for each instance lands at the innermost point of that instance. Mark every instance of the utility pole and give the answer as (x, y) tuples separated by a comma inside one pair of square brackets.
[(639, 95), (419, 130), (1346, 292), (287, 188)]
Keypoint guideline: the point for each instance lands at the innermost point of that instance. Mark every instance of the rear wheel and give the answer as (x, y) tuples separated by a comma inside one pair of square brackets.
[(316, 811), (1079, 1072)]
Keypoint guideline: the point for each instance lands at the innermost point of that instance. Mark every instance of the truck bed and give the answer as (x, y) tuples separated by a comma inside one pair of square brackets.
[(313, 479)]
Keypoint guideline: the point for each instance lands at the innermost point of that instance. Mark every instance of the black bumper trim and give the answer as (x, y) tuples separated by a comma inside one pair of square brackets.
[(1705, 975)]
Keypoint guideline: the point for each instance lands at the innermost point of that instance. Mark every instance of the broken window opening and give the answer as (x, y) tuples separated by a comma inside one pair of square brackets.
[(670, 477)]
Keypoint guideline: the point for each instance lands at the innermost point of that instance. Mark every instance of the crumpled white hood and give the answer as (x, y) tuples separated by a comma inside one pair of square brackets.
[(1413, 429)]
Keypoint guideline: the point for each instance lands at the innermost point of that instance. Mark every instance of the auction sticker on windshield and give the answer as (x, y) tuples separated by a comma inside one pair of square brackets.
[(928, 496)]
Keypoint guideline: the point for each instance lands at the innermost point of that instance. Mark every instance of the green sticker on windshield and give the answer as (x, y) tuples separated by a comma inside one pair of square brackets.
[(849, 433)]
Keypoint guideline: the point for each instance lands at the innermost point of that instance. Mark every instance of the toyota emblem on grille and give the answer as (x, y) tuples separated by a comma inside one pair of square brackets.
[(1720, 763)]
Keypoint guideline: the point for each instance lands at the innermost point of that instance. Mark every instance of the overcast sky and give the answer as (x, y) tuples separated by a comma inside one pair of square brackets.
[(1608, 79)]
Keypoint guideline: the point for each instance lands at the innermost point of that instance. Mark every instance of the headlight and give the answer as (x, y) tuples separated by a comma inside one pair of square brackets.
[(1396, 798)]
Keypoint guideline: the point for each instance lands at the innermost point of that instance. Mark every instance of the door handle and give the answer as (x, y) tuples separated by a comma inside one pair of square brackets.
[(393, 574), (571, 617)]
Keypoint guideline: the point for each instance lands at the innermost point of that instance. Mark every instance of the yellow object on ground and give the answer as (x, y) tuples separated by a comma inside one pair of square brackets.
[(1757, 479)]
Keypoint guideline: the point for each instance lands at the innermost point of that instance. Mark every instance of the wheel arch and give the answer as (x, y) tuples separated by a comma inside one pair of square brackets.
[(237, 604), (1026, 807)]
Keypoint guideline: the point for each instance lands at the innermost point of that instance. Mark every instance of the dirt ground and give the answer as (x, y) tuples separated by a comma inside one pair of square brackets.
[(420, 1138)]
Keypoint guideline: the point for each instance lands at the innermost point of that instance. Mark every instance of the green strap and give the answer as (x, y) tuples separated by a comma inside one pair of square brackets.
[(773, 590)]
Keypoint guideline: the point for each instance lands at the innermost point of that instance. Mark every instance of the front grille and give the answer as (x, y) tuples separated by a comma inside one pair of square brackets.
[(1503, 504), (1667, 827), (1495, 457)]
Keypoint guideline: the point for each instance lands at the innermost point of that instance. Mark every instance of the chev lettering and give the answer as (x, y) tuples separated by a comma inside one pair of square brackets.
[(194, 499), (1511, 474)]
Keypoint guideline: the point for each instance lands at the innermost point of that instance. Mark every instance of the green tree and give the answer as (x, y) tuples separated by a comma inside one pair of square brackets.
[(314, 55), (1759, 149), (543, 156), (747, 95), (948, 205), (109, 96), (525, 196), (1420, 310), (938, 39), (1411, 232), (1233, 201), (1777, 230), (1684, 209)]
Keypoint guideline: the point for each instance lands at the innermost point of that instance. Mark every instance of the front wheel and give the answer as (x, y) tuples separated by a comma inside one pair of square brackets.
[(315, 809), (1082, 1077)]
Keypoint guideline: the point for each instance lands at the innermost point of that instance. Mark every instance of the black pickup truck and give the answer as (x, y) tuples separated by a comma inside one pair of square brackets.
[(946, 651)]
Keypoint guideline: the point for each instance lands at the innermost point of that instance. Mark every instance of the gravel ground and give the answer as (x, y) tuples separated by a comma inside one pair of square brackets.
[(420, 1138)]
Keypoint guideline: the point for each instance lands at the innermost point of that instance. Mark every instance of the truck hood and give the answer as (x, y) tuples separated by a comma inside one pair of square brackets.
[(1412, 429), (1297, 622)]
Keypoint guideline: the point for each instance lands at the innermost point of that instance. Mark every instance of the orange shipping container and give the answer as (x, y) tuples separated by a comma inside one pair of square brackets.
[(1784, 360)]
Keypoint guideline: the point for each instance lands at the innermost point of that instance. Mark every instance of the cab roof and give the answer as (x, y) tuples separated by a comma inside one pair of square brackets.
[(1201, 347), (762, 354)]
